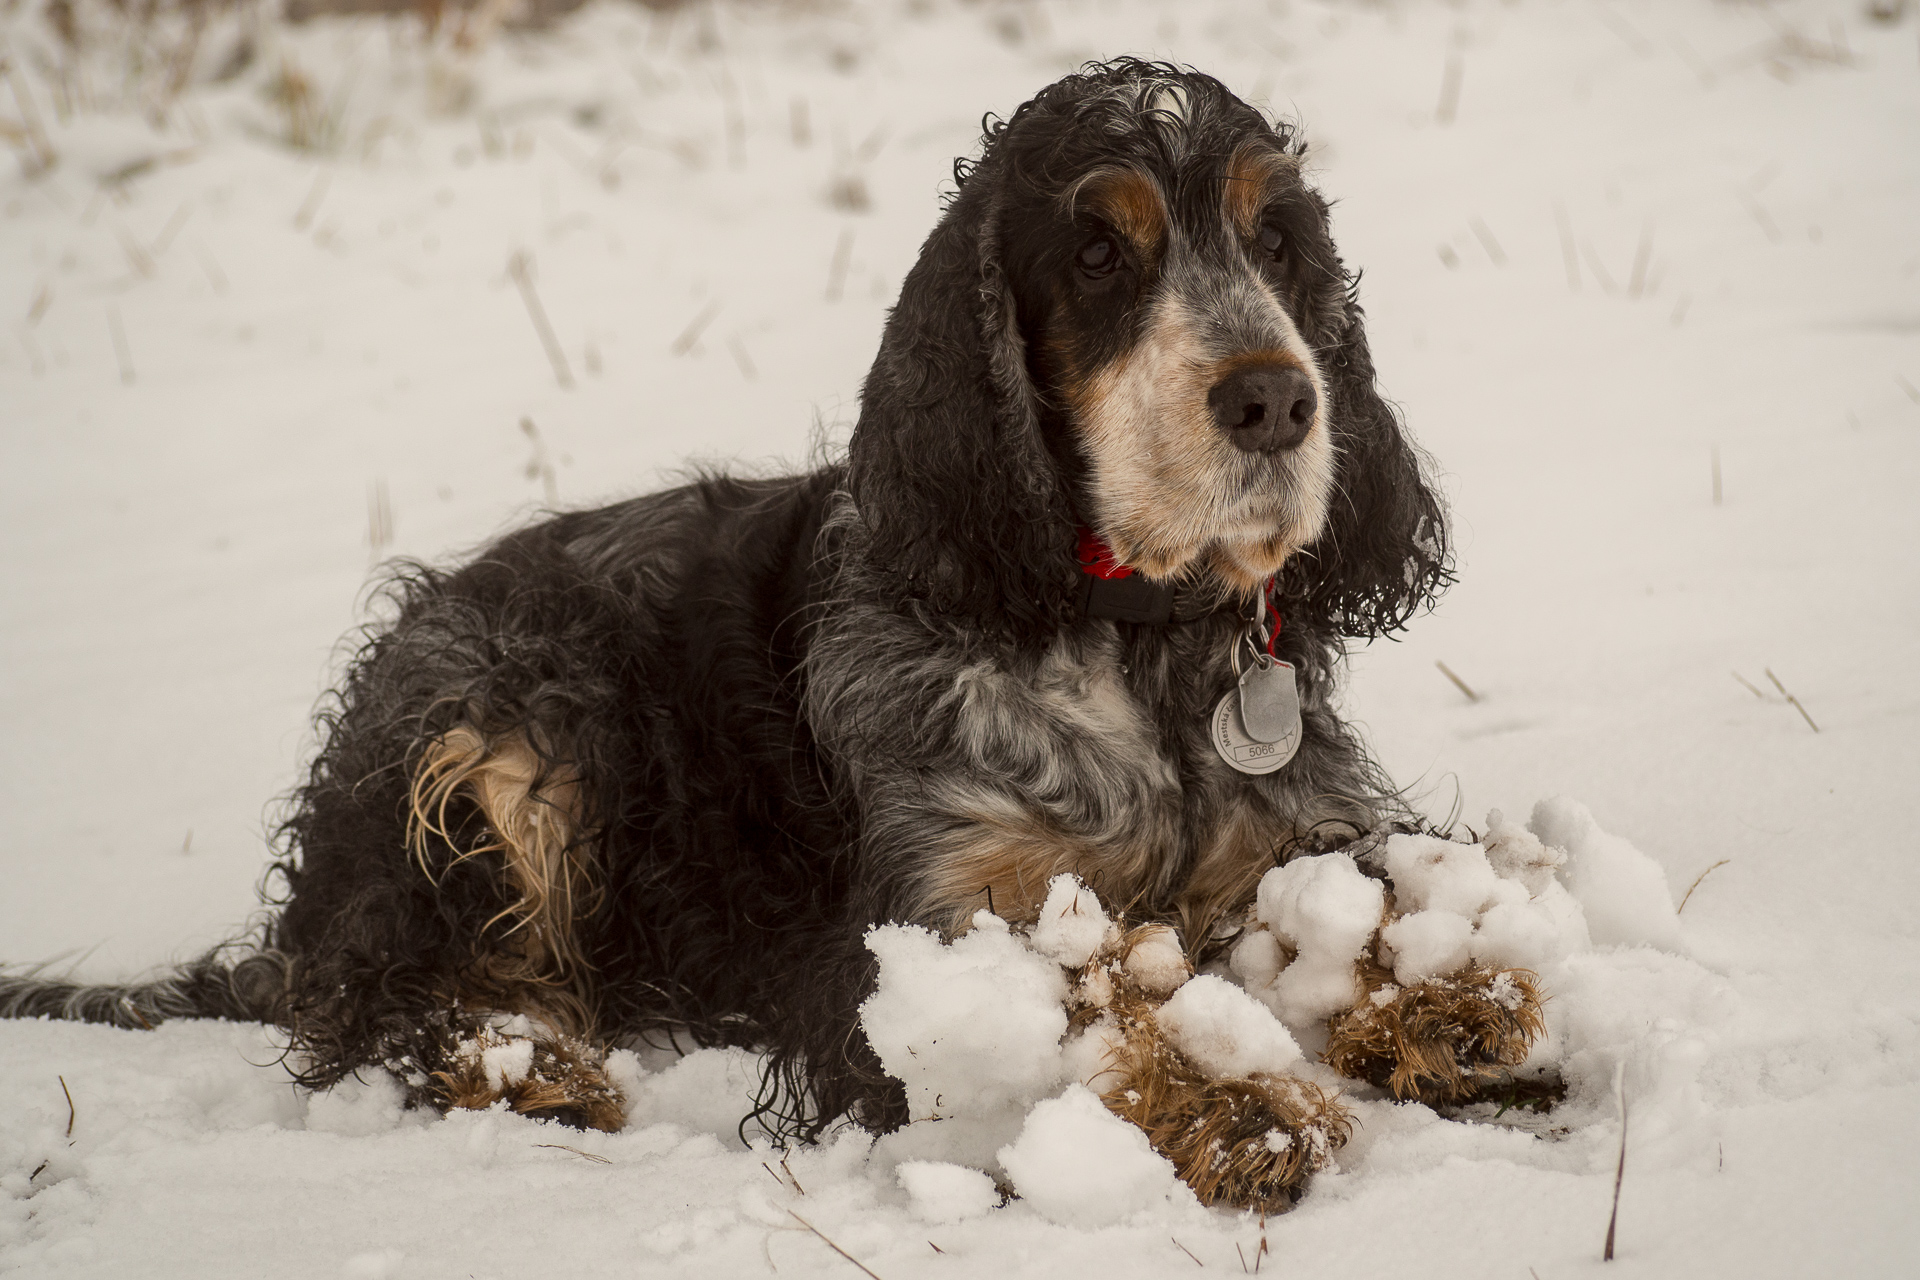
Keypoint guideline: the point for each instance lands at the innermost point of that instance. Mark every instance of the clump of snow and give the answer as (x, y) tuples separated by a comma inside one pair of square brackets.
[(943, 1192), (1072, 923), (1089, 1056), (1622, 892), (506, 1062), (1431, 873), (970, 1025), (1224, 1031), (1428, 944), (1080, 1165), (1156, 960), (1325, 910), (1517, 854)]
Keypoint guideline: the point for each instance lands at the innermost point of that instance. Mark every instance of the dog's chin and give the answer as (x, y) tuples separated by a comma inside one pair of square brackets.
[(1240, 554)]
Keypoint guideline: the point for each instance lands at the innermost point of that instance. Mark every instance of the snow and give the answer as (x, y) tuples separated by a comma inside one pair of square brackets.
[(972, 1029), (1079, 1165), (1325, 911), (1072, 923), (1224, 1031), (943, 1192), (313, 336)]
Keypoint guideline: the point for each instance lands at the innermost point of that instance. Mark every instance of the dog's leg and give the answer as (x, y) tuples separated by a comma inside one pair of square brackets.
[(448, 948)]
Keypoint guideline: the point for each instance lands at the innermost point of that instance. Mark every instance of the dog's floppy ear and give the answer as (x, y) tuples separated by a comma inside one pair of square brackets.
[(966, 513), (1384, 552)]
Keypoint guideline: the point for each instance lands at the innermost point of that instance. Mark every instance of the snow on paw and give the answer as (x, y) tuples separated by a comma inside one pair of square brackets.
[(1440, 1040), (534, 1071), (1202, 1071)]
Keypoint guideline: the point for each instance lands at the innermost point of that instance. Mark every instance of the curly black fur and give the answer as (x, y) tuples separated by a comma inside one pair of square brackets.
[(797, 707)]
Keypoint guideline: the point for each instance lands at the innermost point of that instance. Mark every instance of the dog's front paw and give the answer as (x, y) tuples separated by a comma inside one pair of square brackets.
[(1441, 1040), (1201, 1068)]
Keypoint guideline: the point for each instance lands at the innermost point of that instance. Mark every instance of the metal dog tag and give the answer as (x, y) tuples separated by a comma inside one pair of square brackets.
[(1256, 725)]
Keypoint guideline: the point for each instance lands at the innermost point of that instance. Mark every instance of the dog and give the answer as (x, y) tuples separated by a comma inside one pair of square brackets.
[(654, 770)]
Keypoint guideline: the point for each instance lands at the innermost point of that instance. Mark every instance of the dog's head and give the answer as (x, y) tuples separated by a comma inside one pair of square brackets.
[(1133, 318)]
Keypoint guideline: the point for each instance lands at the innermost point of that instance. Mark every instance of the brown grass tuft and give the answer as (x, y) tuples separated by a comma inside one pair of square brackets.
[(1441, 1041)]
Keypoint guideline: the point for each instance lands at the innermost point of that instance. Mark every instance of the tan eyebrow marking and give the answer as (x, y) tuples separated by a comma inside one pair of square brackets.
[(1130, 200), (1251, 176)]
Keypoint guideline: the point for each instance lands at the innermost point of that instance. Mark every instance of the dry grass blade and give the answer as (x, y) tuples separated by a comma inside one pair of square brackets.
[(42, 299), (1450, 79), (1696, 884), (1458, 683), (70, 1110), (1568, 251), (137, 256), (41, 155), (831, 1245), (1599, 269), (1182, 1248), (690, 335), (164, 241), (1485, 235), (1791, 699), (1913, 392), (1749, 686), (584, 1155), (303, 217), (1619, 1175), (540, 466), (122, 352), (1637, 278), (379, 519), (520, 269), (837, 269)]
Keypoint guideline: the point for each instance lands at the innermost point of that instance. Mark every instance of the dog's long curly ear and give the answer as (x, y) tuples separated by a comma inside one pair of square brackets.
[(966, 513), (1384, 552)]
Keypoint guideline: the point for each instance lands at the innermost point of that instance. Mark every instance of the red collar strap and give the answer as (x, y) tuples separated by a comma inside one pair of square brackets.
[(1109, 589)]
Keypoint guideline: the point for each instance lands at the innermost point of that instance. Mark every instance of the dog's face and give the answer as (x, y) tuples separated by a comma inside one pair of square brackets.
[(1168, 293), (1132, 316)]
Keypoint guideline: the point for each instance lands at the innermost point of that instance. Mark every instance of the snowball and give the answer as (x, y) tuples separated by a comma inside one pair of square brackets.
[(1430, 873), (943, 1192), (1080, 1165), (969, 1026), (1427, 944), (1516, 854), (1157, 961), (1089, 1057), (1535, 935), (1622, 892), (1256, 958), (507, 1062), (1072, 924), (1327, 910), (1224, 1031), (1323, 906)]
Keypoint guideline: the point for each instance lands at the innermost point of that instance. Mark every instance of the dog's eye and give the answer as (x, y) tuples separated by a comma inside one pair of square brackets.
[(1272, 240), (1099, 257)]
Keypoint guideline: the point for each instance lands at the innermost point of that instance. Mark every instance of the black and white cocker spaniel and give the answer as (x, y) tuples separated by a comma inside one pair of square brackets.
[(1120, 491)]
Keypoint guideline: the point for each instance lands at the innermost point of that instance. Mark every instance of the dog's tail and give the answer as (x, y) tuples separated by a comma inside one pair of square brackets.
[(247, 987)]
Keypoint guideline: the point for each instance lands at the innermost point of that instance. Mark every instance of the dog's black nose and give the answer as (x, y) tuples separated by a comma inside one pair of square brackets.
[(1264, 408)]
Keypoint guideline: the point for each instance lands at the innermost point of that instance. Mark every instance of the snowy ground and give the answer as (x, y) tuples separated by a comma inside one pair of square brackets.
[(1613, 252)]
